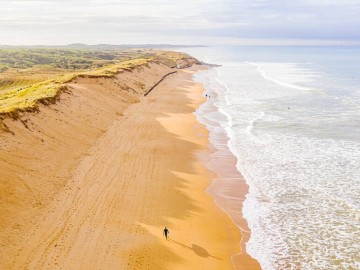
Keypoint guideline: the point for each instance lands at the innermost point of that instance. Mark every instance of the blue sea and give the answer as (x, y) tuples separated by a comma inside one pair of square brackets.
[(292, 117)]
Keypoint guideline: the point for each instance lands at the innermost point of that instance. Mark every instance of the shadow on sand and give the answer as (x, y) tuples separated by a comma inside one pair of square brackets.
[(200, 251)]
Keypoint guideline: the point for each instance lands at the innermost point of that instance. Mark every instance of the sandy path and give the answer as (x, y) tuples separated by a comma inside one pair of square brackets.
[(142, 175)]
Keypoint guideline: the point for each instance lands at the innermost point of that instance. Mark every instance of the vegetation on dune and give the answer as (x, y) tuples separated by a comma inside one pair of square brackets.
[(28, 76), (57, 58)]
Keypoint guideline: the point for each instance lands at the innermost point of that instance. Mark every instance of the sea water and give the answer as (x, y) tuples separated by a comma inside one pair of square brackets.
[(293, 122)]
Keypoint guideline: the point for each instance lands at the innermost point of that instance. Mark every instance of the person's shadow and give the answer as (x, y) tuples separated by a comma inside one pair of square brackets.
[(200, 251)]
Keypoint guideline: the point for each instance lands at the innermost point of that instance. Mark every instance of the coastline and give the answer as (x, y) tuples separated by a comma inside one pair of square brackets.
[(143, 173), (270, 119), (229, 188)]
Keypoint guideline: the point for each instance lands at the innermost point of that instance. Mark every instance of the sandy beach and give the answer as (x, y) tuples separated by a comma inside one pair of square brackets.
[(139, 167), (229, 187)]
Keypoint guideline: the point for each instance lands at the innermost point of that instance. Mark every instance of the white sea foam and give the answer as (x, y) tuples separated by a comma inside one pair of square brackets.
[(303, 206), (286, 74)]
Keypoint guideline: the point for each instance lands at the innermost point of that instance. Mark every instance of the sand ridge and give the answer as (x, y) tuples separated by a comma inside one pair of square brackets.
[(42, 150), (143, 172)]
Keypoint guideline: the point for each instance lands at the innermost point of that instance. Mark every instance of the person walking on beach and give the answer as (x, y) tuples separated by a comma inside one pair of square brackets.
[(166, 232)]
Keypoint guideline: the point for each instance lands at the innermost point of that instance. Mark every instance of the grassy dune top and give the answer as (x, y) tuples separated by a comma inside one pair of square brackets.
[(30, 75)]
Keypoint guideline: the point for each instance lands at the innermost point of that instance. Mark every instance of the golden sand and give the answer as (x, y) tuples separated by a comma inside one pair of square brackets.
[(90, 182)]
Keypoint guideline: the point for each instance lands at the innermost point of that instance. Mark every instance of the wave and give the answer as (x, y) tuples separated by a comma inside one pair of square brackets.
[(282, 83), (302, 190)]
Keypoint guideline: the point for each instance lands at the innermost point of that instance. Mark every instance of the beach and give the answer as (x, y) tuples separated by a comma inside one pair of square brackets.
[(142, 168), (229, 188), (288, 118)]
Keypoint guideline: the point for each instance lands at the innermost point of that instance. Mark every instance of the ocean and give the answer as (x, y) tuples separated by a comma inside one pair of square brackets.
[(292, 118)]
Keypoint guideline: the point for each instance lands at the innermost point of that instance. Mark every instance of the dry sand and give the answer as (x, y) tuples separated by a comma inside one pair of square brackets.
[(91, 185)]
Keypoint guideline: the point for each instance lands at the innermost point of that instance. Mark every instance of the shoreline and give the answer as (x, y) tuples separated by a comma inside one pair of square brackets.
[(142, 174), (229, 188)]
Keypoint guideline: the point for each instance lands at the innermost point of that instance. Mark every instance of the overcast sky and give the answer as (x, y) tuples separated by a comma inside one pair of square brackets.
[(208, 22)]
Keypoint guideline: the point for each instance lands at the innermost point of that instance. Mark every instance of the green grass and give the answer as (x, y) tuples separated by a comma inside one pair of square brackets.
[(57, 58), (28, 76)]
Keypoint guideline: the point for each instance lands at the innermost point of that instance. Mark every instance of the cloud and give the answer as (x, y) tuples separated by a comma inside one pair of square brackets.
[(109, 21)]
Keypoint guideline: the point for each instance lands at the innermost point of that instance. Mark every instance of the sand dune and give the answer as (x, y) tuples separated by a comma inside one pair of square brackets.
[(90, 182)]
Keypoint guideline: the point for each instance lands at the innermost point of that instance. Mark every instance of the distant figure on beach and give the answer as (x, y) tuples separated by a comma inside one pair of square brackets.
[(166, 232), (205, 95)]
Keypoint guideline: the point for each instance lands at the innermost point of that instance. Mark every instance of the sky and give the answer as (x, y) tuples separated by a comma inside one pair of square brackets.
[(206, 22)]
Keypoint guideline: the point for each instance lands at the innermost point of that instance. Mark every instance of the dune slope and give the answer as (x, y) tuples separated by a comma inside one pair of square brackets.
[(89, 182), (40, 150)]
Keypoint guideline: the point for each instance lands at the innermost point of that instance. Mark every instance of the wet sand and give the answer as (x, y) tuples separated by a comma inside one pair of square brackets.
[(229, 188)]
